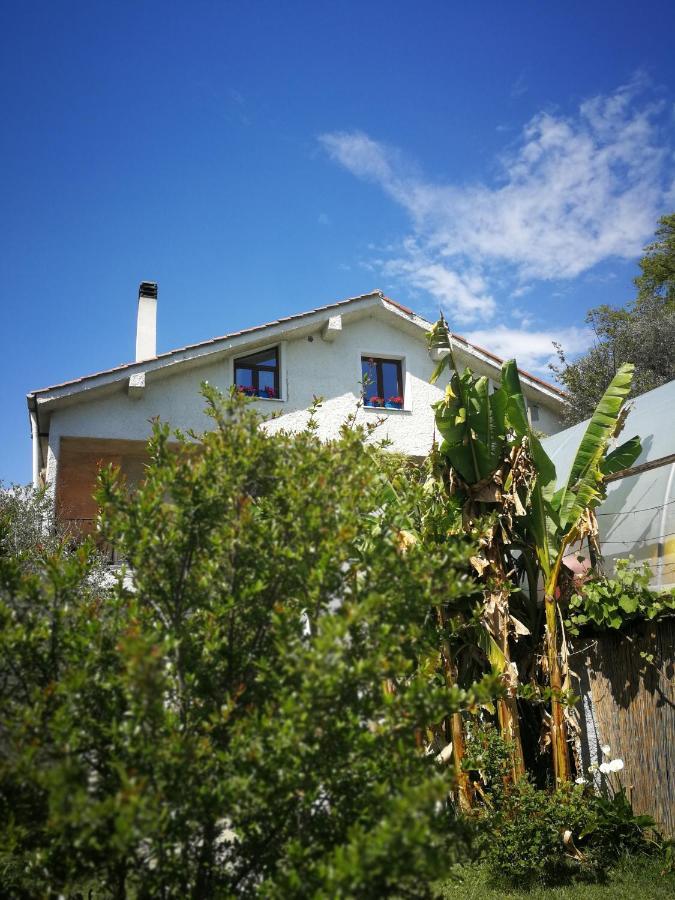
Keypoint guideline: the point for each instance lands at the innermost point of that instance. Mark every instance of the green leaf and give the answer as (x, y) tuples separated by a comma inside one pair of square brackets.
[(583, 487), (622, 457), (628, 603), (439, 339), (541, 519), (492, 650)]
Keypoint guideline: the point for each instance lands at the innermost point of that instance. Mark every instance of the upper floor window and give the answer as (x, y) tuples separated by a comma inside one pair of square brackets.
[(382, 382), (258, 374)]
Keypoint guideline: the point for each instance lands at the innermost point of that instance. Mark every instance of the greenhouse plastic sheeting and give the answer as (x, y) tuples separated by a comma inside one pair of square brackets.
[(638, 517)]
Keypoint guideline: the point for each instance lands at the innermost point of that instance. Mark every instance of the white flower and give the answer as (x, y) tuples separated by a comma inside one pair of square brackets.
[(580, 780), (615, 765), (606, 749), (592, 768), (604, 768), (445, 754)]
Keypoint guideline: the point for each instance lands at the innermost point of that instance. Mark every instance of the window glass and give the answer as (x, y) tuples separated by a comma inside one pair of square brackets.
[(266, 380), (266, 358), (390, 382), (258, 373), (369, 378), (244, 377), (382, 381)]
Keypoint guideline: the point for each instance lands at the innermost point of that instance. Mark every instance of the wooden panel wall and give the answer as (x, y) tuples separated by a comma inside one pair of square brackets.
[(79, 462)]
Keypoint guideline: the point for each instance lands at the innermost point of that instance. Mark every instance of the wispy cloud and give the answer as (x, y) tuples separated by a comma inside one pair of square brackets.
[(236, 107), (519, 87), (533, 349), (573, 191)]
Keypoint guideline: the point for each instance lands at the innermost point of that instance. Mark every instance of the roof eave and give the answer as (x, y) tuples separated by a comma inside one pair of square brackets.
[(263, 334), (257, 335)]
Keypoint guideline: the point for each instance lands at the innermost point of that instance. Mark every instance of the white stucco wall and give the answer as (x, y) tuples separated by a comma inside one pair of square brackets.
[(548, 422), (308, 367)]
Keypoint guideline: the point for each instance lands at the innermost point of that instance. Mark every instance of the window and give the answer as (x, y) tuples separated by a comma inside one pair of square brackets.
[(258, 374), (534, 412), (382, 382)]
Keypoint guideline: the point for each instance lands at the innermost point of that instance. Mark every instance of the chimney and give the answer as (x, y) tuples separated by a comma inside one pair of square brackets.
[(146, 324)]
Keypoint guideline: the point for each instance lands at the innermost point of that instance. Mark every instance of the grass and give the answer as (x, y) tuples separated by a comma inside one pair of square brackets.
[(638, 877)]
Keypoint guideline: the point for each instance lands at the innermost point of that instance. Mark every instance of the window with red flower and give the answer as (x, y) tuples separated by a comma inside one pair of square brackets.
[(382, 379), (258, 374)]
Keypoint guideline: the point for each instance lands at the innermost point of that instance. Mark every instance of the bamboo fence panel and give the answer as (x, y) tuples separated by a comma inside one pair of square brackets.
[(633, 708)]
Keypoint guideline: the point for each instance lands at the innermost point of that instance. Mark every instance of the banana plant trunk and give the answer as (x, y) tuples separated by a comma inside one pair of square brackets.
[(455, 725), (507, 707), (561, 765), (509, 724), (464, 789)]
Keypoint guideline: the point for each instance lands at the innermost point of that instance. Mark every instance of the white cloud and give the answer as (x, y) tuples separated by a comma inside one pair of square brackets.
[(466, 292), (573, 192), (364, 157), (532, 349)]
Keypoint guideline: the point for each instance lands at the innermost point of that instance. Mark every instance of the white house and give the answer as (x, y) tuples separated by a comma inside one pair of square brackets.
[(106, 417)]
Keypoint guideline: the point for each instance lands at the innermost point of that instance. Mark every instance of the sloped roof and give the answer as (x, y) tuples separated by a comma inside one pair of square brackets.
[(190, 350)]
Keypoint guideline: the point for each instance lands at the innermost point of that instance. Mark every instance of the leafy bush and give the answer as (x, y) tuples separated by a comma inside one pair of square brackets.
[(527, 828), (26, 519), (614, 602), (615, 828), (488, 754), (241, 720), (527, 834)]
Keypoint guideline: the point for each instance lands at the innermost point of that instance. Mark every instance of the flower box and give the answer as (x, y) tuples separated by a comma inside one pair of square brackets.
[(375, 401), (394, 403)]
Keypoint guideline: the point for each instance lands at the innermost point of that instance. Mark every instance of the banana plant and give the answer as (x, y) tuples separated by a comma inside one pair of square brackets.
[(557, 518), (495, 458), (480, 453)]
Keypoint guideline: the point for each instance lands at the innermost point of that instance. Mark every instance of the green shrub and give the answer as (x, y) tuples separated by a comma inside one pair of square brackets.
[(225, 726), (526, 834), (527, 828)]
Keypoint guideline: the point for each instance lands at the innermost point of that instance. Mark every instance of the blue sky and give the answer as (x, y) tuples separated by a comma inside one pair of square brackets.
[(505, 160)]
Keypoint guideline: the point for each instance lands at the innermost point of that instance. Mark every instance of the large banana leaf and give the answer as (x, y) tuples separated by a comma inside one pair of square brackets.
[(453, 426), (584, 486), (540, 519), (470, 419), (472, 424), (486, 419)]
